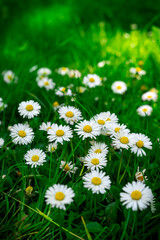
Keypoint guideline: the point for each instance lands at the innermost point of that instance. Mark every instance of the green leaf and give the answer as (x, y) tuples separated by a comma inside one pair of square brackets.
[(94, 227), (111, 212)]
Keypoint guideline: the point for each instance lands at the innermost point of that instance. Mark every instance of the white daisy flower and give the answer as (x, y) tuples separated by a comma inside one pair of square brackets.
[(32, 69), (62, 71), (60, 134), (8, 76), (52, 147), (47, 83), (81, 89), (87, 129), (148, 96), (137, 71), (29, 109), (99, 148), (68, 167), (136, 196), (122, 139), (92, 80), (21, 134), (1, 142), (97, 181), (140, 141), (46, 126), (101, 64), (63, 91), (95, 161), (140, 175), (119, 87), (35, 157), (154, 90), (44, 72), (144, 110), (2, 105), (116, 127), (70, 114), (74, 74), (58, 195)]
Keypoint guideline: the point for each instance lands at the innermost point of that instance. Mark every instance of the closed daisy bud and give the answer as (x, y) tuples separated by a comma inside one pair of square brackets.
[(29, 190)]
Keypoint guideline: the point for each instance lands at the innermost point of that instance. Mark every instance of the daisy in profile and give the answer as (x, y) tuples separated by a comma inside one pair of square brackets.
[(119, 87), (60, 134), (81, 89), (137, 72), (1, 142), (62, 71), (99, 148), (21, 134), (47, 83), (122, 139), (2, 105), (87, 129), (35, 157), (46, 126), (104, 119), (44, 72), (74, 74), (52, 147), (136, 195), (139, 176), (29, 109), (32, 69), (70, 114), (63, 91), (140, 142), (116, 127), (9, 76), (59, 195), (97, 181), (144, 110), (68, 167), (148, 96), (92, 80), (95, 161)]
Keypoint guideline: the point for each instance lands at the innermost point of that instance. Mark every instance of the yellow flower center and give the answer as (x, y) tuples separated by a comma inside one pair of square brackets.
[(119, 87), (136, 195), (108, 119), (10, 77), (96, 180), (69, 114), (138, 69), (22, 133), (149, 96), (49, 128), (64, 68), (117, 129), (53, 149), (29, 190), (91, 80), (29, 107), (97, 151), (87, 129), (63, 89), (101, 122), (95, 161), (140, 177), (124, 140), (144, 110), (66, 168), (59, 133), (55, 104), (35, 158), (59, 196), (46, 83), (140, 144)]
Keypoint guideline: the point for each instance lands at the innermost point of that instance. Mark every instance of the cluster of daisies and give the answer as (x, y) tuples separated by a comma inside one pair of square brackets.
[(135, 195)]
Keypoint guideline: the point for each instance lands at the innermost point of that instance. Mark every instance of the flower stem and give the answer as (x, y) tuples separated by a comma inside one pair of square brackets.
[(120, 164), (125, 169)]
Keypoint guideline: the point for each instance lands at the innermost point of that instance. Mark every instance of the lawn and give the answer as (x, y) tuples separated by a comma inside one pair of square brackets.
[(117, 41)]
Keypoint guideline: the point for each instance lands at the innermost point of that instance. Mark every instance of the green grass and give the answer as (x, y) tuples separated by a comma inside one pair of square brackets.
[(59, 35)]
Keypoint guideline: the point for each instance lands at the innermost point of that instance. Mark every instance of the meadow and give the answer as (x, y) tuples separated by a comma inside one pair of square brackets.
[(92, 71)]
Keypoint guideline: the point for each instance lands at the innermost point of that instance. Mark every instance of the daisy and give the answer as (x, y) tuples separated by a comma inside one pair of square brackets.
[(116, 127), (144, 110), (92, 80), (70, 114), (29, 109), (101, 64), (140, 175), (62, 71), (9, 77), (1, 142), (58, 195), (46, 126), (62, 91), (48, 84), (154, 90), (35, 157), (60, 134), (74, 74), (32, 69), (2, 105), (122, 139), (87, 129), (104, 119), (97, 181), (148, 96), (81, 89), (52, 147), (136, 196), (21, 134), (99, 148), (140, 142), (137, 72), (56, 105), (95, 161), (68, 167), (119, 87), (44, 72)]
